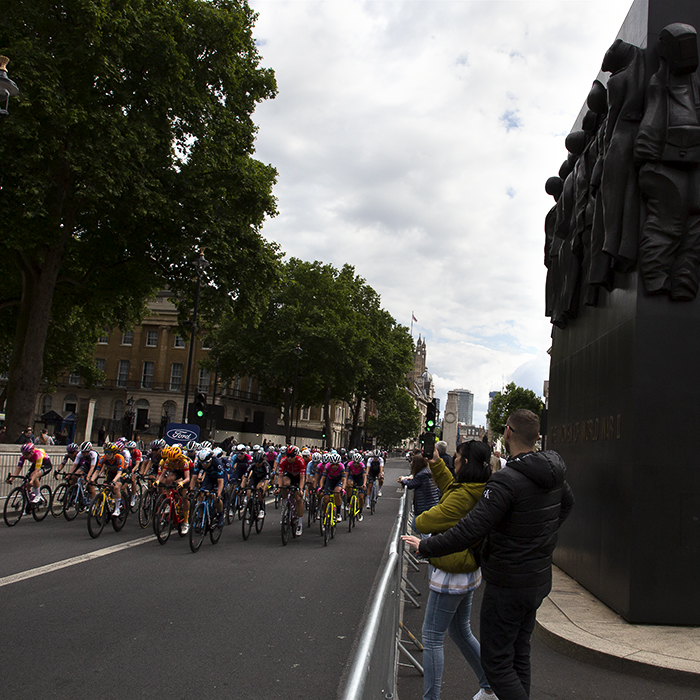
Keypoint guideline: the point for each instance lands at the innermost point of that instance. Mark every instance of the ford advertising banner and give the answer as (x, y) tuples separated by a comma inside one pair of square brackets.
[(180, 433)]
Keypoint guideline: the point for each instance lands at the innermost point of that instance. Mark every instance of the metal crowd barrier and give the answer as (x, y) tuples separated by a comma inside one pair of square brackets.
[(373, 670)]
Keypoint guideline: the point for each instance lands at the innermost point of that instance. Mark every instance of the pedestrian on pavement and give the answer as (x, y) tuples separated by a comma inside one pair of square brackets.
[(518, 517), (101, 436), (442, 451), (26, 436), (425, 491), (455, 577)]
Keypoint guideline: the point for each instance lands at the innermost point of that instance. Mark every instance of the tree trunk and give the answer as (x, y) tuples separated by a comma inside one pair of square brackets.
[(355, 410), (27, 359), (287, 416)]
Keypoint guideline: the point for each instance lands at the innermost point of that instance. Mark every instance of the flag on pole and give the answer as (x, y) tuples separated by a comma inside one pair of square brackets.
[(413, 317)]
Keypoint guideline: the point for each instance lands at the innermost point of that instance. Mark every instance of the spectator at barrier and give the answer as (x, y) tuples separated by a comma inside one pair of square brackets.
[(455, 577), (425, 491), (522, 508), (447, 459)]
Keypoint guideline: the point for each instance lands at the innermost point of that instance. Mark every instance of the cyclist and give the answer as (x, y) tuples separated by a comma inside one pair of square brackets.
[(292, 472), (152, 460), (240, 463), (209, 475), (334, 480), (72, 452), (113, 463), (356, 471), (136, 459), (175, 467), (40, 464), (375, 472), (256, 479)]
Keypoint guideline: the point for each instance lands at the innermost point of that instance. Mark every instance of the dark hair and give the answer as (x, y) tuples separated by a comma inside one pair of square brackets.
[(526, 425), (476, 467), (418, 463)]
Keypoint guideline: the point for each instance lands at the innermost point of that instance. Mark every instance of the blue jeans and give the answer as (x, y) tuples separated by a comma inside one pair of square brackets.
[(443, 613)]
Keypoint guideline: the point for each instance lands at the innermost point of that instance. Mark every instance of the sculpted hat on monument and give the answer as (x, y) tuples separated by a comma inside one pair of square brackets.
[(678, 44)]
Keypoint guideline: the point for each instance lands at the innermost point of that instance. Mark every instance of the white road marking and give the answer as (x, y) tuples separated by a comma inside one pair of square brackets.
[(31, 573)]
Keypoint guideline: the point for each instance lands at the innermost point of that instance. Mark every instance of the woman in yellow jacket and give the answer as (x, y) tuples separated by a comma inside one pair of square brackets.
[(455, 577)]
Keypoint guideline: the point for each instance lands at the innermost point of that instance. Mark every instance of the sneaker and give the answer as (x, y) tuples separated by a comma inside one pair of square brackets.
[(299, 528), (360, 517), (117, 512), (483, 695), (34, 498), (380, 492), (368, 506), (261, 515), (185, 528)]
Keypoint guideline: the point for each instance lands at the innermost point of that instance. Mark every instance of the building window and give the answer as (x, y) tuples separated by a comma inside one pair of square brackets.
[(203, 383), (147, 375), (169, 410), (74, 378), (123, 374), (305, 413), (151, 339), (46, 403), (99, 367), (250, 386), (175, 376), (118, 410), (206, 343), (179, 341), (104, 338), (70, 404)]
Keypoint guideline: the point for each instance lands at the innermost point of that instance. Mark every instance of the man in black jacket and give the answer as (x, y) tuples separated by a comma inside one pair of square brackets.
[(517, 518)]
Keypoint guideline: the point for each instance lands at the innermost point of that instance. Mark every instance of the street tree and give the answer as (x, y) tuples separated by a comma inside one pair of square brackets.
[(397, 418), (128, 150), (509, 400)]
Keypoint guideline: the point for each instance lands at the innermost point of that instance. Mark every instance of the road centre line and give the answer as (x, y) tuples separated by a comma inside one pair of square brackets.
[(31, 573)]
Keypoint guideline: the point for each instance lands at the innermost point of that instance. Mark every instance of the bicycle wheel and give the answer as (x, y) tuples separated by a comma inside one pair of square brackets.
[(334, 515), (58, 501), (41, 508), (326, 525), (285, 523), (247, 521), (259, 522), (136, 496), (70, 502), (215, 529), (373, 499), (310, 510), (198, 528), (14, 506), (146, 508), (321, 517), (232, 506), (351, 513), (97, 515), (162, 520), (119, 521)]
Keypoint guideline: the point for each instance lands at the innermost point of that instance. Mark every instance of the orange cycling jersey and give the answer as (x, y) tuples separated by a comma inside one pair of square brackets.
[(181, 464), (116, 463)]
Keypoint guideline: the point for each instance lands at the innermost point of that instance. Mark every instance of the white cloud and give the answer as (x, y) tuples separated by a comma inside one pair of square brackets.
[(413, 140)]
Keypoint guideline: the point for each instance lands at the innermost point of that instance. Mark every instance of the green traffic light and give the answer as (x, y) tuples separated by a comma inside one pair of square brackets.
[(200, 413)]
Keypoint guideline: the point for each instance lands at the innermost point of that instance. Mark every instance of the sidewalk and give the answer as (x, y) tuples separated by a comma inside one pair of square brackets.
[(574, 622)]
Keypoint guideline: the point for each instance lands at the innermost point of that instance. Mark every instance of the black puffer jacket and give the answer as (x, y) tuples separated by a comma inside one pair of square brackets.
[(517, 517)]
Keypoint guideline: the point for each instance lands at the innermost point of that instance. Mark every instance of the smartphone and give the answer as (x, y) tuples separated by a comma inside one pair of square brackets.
[(429, 445)]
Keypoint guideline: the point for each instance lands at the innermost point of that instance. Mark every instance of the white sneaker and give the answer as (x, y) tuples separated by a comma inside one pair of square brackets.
[(185, 528), (261, 514), (380, 492), (360, 517), (299, 529), (483, 695)]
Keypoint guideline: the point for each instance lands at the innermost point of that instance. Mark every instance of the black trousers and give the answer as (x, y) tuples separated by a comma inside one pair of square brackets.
[(507, 621)]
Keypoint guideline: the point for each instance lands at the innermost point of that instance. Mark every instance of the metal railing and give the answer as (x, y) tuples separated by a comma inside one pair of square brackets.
[(8, 461), (373, 670)]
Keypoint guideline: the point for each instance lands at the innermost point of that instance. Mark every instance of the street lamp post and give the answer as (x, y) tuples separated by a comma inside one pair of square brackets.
[(8, 88), (201, 265), (297, 352)]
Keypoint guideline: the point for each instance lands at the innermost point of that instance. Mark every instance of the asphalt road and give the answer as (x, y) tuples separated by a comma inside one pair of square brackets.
[(240, 619)]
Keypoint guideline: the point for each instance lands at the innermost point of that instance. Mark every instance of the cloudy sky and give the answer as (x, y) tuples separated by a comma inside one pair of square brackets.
[(413, 139)]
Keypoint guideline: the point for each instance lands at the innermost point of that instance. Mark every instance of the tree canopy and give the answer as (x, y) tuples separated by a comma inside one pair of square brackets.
[(351, 349), (509, 400), (129, 149), (397, 418)]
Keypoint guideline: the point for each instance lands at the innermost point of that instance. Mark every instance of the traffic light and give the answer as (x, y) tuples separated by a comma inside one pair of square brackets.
[(200, 405), (431, 416)]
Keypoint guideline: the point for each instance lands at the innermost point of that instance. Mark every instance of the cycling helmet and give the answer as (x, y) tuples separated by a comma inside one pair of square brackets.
[(334, 458), (131, 445), (192, 446), (343, 451), (86, 446), (206, 445), (72, 447), (241, 447), (110, 448), (157, 445), (259, 456), (306, 452), (204, 455), (256, 448), (218, 452), (175, 452), (27, 448), (316, 457)]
